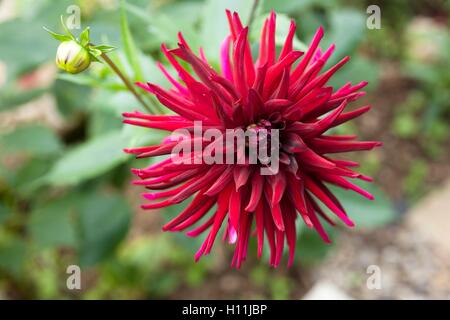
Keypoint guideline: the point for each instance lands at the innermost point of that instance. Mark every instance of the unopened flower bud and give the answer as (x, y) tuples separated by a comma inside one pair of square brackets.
[(72, 57)]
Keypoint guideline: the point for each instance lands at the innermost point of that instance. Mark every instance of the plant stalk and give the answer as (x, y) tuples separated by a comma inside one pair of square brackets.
[(252, 13), (127, 83)]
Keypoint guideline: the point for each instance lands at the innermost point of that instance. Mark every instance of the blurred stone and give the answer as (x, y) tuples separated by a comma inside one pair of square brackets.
[(324, 290), (2, 74), (8, 10), (431, 217), (425, 38), (230, 283), (42, 77), (40, 111)]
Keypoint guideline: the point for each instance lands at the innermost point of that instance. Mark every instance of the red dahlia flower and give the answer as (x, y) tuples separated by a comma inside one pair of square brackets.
[(287, 92)]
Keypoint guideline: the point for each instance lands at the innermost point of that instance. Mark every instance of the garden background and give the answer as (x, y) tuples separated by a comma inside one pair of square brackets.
[(65, 191)]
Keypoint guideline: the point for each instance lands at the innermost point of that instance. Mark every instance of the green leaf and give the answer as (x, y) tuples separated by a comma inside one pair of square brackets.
[(66, 30), (131, 51), (356, 70), (95, 52), (68, 95), (27, 51), (365, 213), (12, 256), (34, 140), (84, 37), (104, 222), (23, 180), (311, 248), (215, 26), (104, 48), (167, 21), (34, 46), (90, 81), (347, 29), (98, 155), (57, 36), (52, 224), (406, 125), (5, 212), (11, 97), (286, 6), (89, 160)]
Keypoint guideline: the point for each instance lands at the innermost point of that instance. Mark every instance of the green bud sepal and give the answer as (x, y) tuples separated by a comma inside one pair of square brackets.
[(75, 55)]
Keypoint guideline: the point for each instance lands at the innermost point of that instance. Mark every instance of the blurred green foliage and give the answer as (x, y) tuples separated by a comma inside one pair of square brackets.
[(64, 192)]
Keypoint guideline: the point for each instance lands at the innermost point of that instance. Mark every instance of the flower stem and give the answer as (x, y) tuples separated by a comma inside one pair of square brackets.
[(127, 83), (252, 12)]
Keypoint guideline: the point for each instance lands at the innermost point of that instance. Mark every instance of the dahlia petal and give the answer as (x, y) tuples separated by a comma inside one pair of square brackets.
[(198, 184), (288, 44), (224, 179), (235, 208), (270, 233), (261, 72), (262, 60), (222, 209), (197, 203), (228, 86), (279, 247), (338, 137), (201, 250), (151, 117), (249, 66), (182, 73), (346, 163), (314, 189), (315, 221), (309, 157), (259, 217), (256, 193), (327, 146), (177, 85), (231, 24), (199, 213), (348, 89), (341, 182), (241, 175), (308, 76), (298, 71), (239, 66), (225, 62), (322, 79), (200, 229), (277, 217), (278, 184), (297, 194), (271, 50), (295, 143), (139, 150), (254, 104), (321, 213), (281, 91), (277, 69), (344, 117), (242, 240), (158, 195), (291, 233), (204, 71), (232, 233), (324, 124), (168, 125), (203, 55)]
